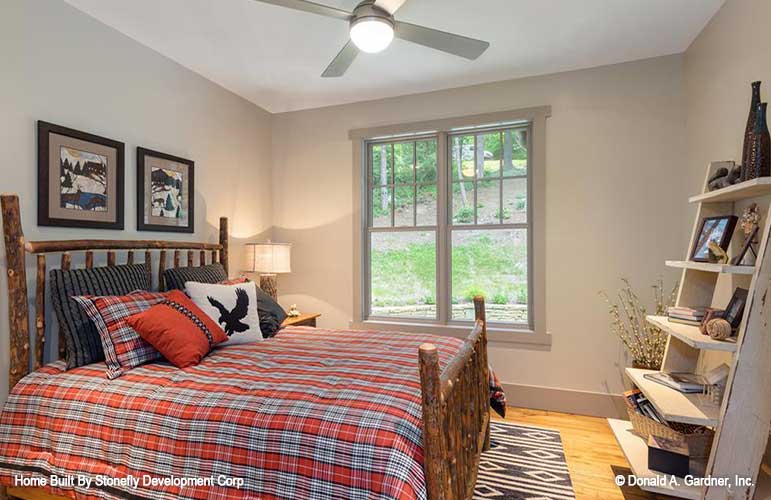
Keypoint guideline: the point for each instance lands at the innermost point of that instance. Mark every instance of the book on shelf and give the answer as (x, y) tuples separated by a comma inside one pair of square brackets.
[(685, 321), (687, 313), (687, 383)]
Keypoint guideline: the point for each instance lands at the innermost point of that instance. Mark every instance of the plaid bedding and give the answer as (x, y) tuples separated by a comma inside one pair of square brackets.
[(311, 413)]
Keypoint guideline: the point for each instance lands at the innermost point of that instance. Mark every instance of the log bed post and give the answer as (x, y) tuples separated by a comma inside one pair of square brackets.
[(434, 452), (481, 315), (40, 311), (18, 312), (224, 243)]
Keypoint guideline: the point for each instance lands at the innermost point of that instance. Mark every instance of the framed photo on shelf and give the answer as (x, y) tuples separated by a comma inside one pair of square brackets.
[(165, 192), (717, 229), (735, 309), (80, 179), (749, 240)]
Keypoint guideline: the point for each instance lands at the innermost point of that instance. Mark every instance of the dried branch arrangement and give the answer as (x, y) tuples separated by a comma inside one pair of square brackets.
[(644, 341)]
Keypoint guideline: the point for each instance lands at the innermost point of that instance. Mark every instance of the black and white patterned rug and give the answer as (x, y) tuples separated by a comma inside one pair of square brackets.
[(523, 463)]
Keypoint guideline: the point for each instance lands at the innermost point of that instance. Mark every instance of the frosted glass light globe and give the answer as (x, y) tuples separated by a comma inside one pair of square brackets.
[(372, 35)]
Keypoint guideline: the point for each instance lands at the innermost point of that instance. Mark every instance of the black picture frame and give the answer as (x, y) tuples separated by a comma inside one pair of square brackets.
[(724, 225), (746, 247), (49, 214), (735, 308), (142, 208)]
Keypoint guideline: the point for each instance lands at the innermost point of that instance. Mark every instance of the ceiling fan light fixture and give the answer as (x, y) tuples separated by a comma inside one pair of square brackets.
[(372, 34)]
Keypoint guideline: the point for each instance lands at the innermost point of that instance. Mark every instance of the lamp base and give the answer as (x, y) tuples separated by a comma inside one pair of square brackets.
[(268, 284)]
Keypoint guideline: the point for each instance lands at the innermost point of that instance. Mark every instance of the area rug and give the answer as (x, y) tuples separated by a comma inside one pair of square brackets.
[(523, 463)]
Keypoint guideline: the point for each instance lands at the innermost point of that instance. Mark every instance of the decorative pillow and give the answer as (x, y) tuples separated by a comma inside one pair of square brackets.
[(497, 396), (175, 278), (83, 345), (178, 329), (233, 307), (123, 348), (271, 313)]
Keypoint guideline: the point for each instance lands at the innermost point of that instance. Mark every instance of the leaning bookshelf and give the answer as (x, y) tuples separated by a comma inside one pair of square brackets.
[(741, 420)]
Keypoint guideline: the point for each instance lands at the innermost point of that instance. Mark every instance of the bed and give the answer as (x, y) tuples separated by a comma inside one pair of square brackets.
[(311, 413)]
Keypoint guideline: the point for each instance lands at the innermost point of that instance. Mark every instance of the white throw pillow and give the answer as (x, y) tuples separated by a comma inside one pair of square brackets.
[(233, 307)]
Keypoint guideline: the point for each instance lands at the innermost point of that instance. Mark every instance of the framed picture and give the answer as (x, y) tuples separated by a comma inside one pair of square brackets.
[(749, 240), (717, 229), (80, 179), (165, 192), (735, 309)]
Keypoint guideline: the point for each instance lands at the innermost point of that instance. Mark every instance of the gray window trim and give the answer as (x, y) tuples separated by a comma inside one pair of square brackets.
[(534, 334)]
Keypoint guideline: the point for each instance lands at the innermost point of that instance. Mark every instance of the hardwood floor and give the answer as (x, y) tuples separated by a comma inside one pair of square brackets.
[(592, 454)]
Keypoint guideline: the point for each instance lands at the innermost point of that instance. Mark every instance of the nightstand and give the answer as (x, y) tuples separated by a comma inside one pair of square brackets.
[(307, 319)]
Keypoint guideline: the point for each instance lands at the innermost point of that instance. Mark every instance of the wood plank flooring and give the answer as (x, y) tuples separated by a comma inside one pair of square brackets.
[(592, 454)]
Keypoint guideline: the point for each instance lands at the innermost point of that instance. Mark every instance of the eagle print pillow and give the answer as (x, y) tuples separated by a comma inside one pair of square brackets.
[(233, 307)]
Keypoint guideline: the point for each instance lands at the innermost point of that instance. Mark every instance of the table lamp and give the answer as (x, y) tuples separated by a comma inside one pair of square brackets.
[(268, 259)]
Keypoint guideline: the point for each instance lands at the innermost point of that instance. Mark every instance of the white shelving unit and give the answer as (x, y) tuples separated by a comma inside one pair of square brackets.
[(711, 268), (691, 335), (636, 453), (675, 406), (742, 420)]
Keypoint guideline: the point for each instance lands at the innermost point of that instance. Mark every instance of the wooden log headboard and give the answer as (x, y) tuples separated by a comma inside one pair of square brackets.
[(16, 250)]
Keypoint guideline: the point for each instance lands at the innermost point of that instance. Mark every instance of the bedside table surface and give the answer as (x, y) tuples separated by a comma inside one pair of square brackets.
[(305, 319)]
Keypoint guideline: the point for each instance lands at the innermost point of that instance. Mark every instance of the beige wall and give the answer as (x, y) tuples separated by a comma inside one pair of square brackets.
[(62, 66), (731, 52), (615, 202), (625, 145)]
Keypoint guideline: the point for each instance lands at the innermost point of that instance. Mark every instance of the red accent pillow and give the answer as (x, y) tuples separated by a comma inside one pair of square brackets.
[(178, 329)]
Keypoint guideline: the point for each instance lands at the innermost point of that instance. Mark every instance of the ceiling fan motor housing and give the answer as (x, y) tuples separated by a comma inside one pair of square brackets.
[(367, 10)]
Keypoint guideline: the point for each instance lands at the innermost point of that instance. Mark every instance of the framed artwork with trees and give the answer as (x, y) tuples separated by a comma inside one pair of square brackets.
[(80, 179), (165, 192)]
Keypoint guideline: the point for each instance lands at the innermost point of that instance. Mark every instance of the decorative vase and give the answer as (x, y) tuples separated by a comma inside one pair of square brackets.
[(760, 150), (748, 131)]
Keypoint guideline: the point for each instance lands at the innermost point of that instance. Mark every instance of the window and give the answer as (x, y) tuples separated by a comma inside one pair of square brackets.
[(448, 218)]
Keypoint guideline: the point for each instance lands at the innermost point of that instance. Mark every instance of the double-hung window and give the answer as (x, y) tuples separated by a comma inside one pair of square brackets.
[(446, 216)]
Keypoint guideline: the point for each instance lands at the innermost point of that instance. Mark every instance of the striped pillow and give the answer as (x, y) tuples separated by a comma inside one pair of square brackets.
[(175, 278), (124, 349), (83, 345)]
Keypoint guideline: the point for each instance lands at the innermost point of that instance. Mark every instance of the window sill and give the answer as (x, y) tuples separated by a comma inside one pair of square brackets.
[(495, 333)]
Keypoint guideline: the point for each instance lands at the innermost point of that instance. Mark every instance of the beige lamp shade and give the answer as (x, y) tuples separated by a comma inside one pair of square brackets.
[(268, 258)]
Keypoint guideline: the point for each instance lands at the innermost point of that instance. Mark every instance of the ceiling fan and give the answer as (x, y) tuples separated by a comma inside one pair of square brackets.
[(372, 27)]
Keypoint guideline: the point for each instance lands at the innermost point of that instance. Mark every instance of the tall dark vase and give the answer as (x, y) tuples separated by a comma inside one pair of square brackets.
[(748, 131), (760, 150)]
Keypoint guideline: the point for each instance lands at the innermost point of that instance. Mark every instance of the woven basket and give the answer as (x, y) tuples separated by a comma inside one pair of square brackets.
[(699, 443)]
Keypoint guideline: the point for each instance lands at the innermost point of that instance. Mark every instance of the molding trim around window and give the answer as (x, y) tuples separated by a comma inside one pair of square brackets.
[(533, 334)]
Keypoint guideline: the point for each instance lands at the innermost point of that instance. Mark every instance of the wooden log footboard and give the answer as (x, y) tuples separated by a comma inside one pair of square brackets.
[(456, 414)]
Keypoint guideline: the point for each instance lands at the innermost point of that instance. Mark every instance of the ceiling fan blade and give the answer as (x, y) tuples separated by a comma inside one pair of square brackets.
[(342, 61), (390, 6), (458, 45), (313, 8)]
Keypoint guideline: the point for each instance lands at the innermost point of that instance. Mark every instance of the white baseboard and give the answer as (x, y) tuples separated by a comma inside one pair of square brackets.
[(594, 404)]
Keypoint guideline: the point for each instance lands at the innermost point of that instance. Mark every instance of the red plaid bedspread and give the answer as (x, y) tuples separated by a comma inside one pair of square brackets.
[(312, 413)]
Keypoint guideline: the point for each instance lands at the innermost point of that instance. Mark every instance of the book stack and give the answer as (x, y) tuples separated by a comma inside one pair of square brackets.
[(686, 315), (638, 402)]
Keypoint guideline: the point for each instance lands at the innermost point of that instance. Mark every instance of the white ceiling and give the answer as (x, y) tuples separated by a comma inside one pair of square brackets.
[(274, 56)]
